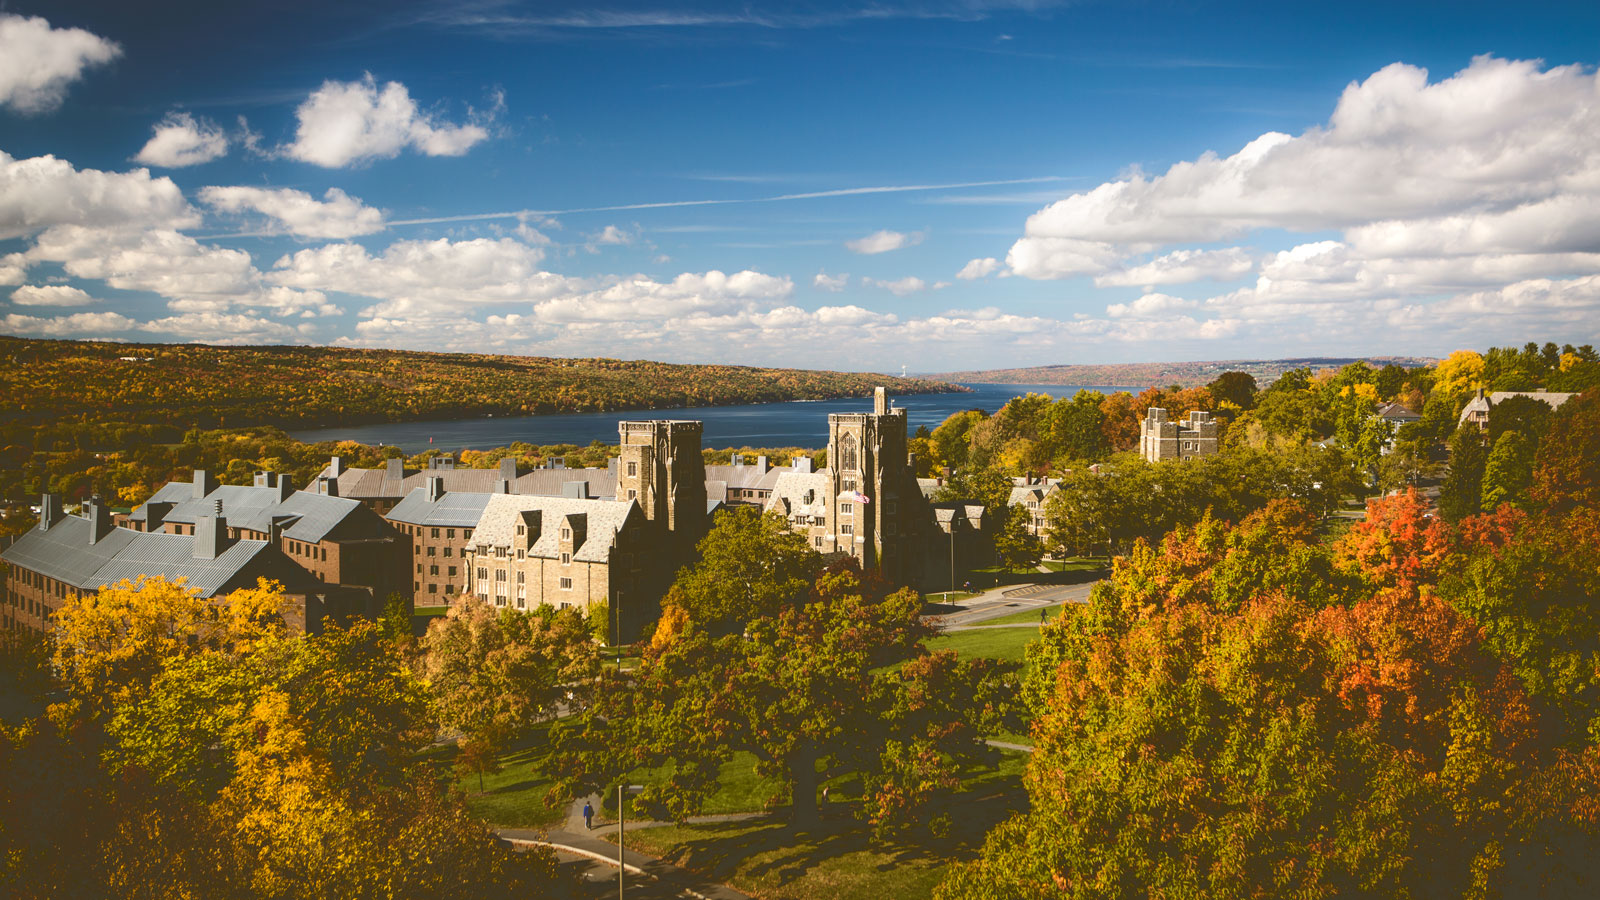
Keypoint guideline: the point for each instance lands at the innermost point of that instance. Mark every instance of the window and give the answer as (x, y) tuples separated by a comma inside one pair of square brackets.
[(566, 584), (848, 461), (847, 529), (633, 468), (452, 571), (566, 559), (419, 568), (435, 533), (633, 494), (449, 589), (449, 551), (483, 574), (433, 589), (466, 533), (522, 603), (521, 530), (566, 533), (499, 574), (817, 540), (521, 554), (324, 554), (849, 483), (451, 534), (888, 508), (433, 570), (846, 509), (500, 552), (430, 551), (521, 577), (416, 549), (499, 601)]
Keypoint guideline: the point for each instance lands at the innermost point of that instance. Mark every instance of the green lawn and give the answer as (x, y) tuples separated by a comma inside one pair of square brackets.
[(948, 596), (1075, 564), (1025, 616), (996, 643), (514, 796), (840, 859)]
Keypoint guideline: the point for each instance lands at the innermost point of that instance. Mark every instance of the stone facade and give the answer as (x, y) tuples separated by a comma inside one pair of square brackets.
[(1032, 494), (662, 468), (1162, 439), (1479, 408)]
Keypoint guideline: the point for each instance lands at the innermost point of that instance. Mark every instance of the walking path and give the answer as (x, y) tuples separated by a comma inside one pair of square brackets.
[(1001, 601), (581, 846)]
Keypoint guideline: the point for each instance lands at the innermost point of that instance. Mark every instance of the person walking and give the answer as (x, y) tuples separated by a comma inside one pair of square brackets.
[(588, 816)]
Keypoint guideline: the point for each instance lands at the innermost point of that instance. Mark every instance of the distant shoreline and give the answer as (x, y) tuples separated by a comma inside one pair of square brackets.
[(1163, 374)]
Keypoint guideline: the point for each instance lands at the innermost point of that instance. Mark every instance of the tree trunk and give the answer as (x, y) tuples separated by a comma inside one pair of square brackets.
[(803, 772)]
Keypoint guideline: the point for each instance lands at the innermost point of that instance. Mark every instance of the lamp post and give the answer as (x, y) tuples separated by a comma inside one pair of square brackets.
[(952, 554), (621, 827)]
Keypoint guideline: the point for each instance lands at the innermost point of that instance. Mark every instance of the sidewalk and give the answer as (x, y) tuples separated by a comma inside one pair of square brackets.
[(577, 840)]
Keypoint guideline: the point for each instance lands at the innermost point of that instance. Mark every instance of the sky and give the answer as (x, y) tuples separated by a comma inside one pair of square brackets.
[(864, 186)]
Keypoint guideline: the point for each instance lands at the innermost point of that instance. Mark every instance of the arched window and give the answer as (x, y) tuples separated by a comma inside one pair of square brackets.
[(847, 454)]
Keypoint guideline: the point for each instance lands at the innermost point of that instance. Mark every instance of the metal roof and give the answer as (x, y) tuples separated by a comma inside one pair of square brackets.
[(307, 517), (65, 554), (456, 509)]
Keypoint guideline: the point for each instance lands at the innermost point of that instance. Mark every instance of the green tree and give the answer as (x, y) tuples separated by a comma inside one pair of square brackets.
[(1017, 547), (1508, 470), (1238, 388), (1461, 495), (751, 565)]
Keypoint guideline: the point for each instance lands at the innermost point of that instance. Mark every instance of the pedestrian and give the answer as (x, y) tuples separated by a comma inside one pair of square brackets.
[(1044, 611), (588, 816)]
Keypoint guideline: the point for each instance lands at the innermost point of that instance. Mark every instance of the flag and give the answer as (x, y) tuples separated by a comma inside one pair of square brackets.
[(860, 497)]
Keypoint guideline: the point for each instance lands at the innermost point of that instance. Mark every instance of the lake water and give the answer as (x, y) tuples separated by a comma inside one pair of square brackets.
[(802, 423)]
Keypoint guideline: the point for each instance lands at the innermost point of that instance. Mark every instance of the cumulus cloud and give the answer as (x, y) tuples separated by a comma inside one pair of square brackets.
[(1148, 306), (75, 325), (978, 268), (834, 283), (43, 191), (1182, 267), (609, 236), (900, 287), (182, 140), (51, 295), (38, 62), (412, 278), (884, 241), (337, 215), (345, 122)]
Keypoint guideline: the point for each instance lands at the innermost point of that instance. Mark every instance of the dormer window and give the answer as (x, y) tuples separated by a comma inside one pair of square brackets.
[(522, 530), (566, 533)]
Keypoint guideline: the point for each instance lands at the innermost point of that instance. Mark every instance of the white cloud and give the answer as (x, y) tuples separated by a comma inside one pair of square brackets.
[(51, 295), (900, 287), (609, 236), (1149, 306), (978, 268), (43, 191), (75, 325), (38, 63), (182, 140), (428, 278), (337, 215), (884, 241), (354, 121), (223, 328), (1061, 257), (1182, 267), (834, 283)]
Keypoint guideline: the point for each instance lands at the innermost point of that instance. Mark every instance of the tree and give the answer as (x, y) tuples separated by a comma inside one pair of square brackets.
[(1077, 427), (1508, 470), (751, 564), (802, 687), (492, 673), (1461, 495), (1567, 464), (1017, 547), (479, 755), (1238, 388)]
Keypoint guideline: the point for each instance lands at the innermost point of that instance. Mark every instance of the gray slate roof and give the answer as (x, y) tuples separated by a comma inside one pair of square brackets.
[(456, 509), (497, 527), (369, 483), (65, 554), (789, 493), (254, 508)]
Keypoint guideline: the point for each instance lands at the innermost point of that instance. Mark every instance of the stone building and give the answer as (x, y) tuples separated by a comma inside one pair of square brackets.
[(661, 468), (565, 552), (867, 503), (1161, 438), (1032, 494), (439, 524), (73, 556)]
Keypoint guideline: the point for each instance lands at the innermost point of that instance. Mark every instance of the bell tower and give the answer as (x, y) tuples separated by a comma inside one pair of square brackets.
[(870, 480), (661, 469)]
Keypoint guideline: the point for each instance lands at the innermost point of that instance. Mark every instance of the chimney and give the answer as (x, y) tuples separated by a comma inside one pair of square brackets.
[(336, 466), (275, 527), (261, 479), (880, 401), (211, 535), (330, 486), (738, 460), (579, 523), (761, 465), (502, 486), (575, 490), (155, 514), (394, 470), (204, 483), (50, 511), (508, 468), (99, 516), (801, 463), (558, 462), (435, 488), (534, 520), (285, 488)]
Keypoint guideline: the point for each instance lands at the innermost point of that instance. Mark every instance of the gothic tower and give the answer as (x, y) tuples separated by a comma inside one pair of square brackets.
[(872, 483), (662, 470)]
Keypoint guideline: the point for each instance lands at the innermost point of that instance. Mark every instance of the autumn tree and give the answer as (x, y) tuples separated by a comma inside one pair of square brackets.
[(750, 564), (1238, 388), (1017, 547)]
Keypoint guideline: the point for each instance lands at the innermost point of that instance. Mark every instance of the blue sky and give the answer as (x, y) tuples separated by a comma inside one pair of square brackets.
[(859, 186)]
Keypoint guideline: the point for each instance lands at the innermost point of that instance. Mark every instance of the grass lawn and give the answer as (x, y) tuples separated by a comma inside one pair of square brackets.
[(428, 612), (1076, 564), (995, 643), (514, 796), (739, 789), (948, 596), (840, 859)]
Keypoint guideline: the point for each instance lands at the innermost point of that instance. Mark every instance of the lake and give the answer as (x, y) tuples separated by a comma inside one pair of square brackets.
[(801, 423)]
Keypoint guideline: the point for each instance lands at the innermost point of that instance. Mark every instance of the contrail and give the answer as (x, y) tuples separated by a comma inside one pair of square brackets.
[(668, 204)]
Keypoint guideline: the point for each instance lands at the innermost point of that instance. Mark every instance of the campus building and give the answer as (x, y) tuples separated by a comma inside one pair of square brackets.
[(1481, 406), (1162, 439), (67, 556)]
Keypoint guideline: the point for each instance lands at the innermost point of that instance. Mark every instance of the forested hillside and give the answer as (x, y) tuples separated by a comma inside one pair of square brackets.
[(191, 385)]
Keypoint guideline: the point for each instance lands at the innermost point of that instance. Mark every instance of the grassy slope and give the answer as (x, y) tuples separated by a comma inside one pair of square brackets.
[(996, 643)]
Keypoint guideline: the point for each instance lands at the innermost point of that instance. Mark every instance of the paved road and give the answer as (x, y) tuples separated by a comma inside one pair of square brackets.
[(1003, 601)]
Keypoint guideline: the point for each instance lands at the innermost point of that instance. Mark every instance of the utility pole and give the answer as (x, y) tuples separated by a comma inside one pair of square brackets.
[(621, 826)]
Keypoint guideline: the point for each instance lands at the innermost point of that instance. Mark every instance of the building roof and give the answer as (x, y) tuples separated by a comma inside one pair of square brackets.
[(791, 490), (603, 519), (303, 516), (1021, 494), (367, 484), (1481, 404), (64, 553), (455, 509), (1395, 412)]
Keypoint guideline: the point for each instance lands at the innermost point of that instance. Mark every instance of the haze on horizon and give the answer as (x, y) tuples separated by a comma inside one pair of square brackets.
[(944, 186)]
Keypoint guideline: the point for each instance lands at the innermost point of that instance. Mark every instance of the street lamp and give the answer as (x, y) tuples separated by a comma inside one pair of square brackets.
[(621, 817)]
